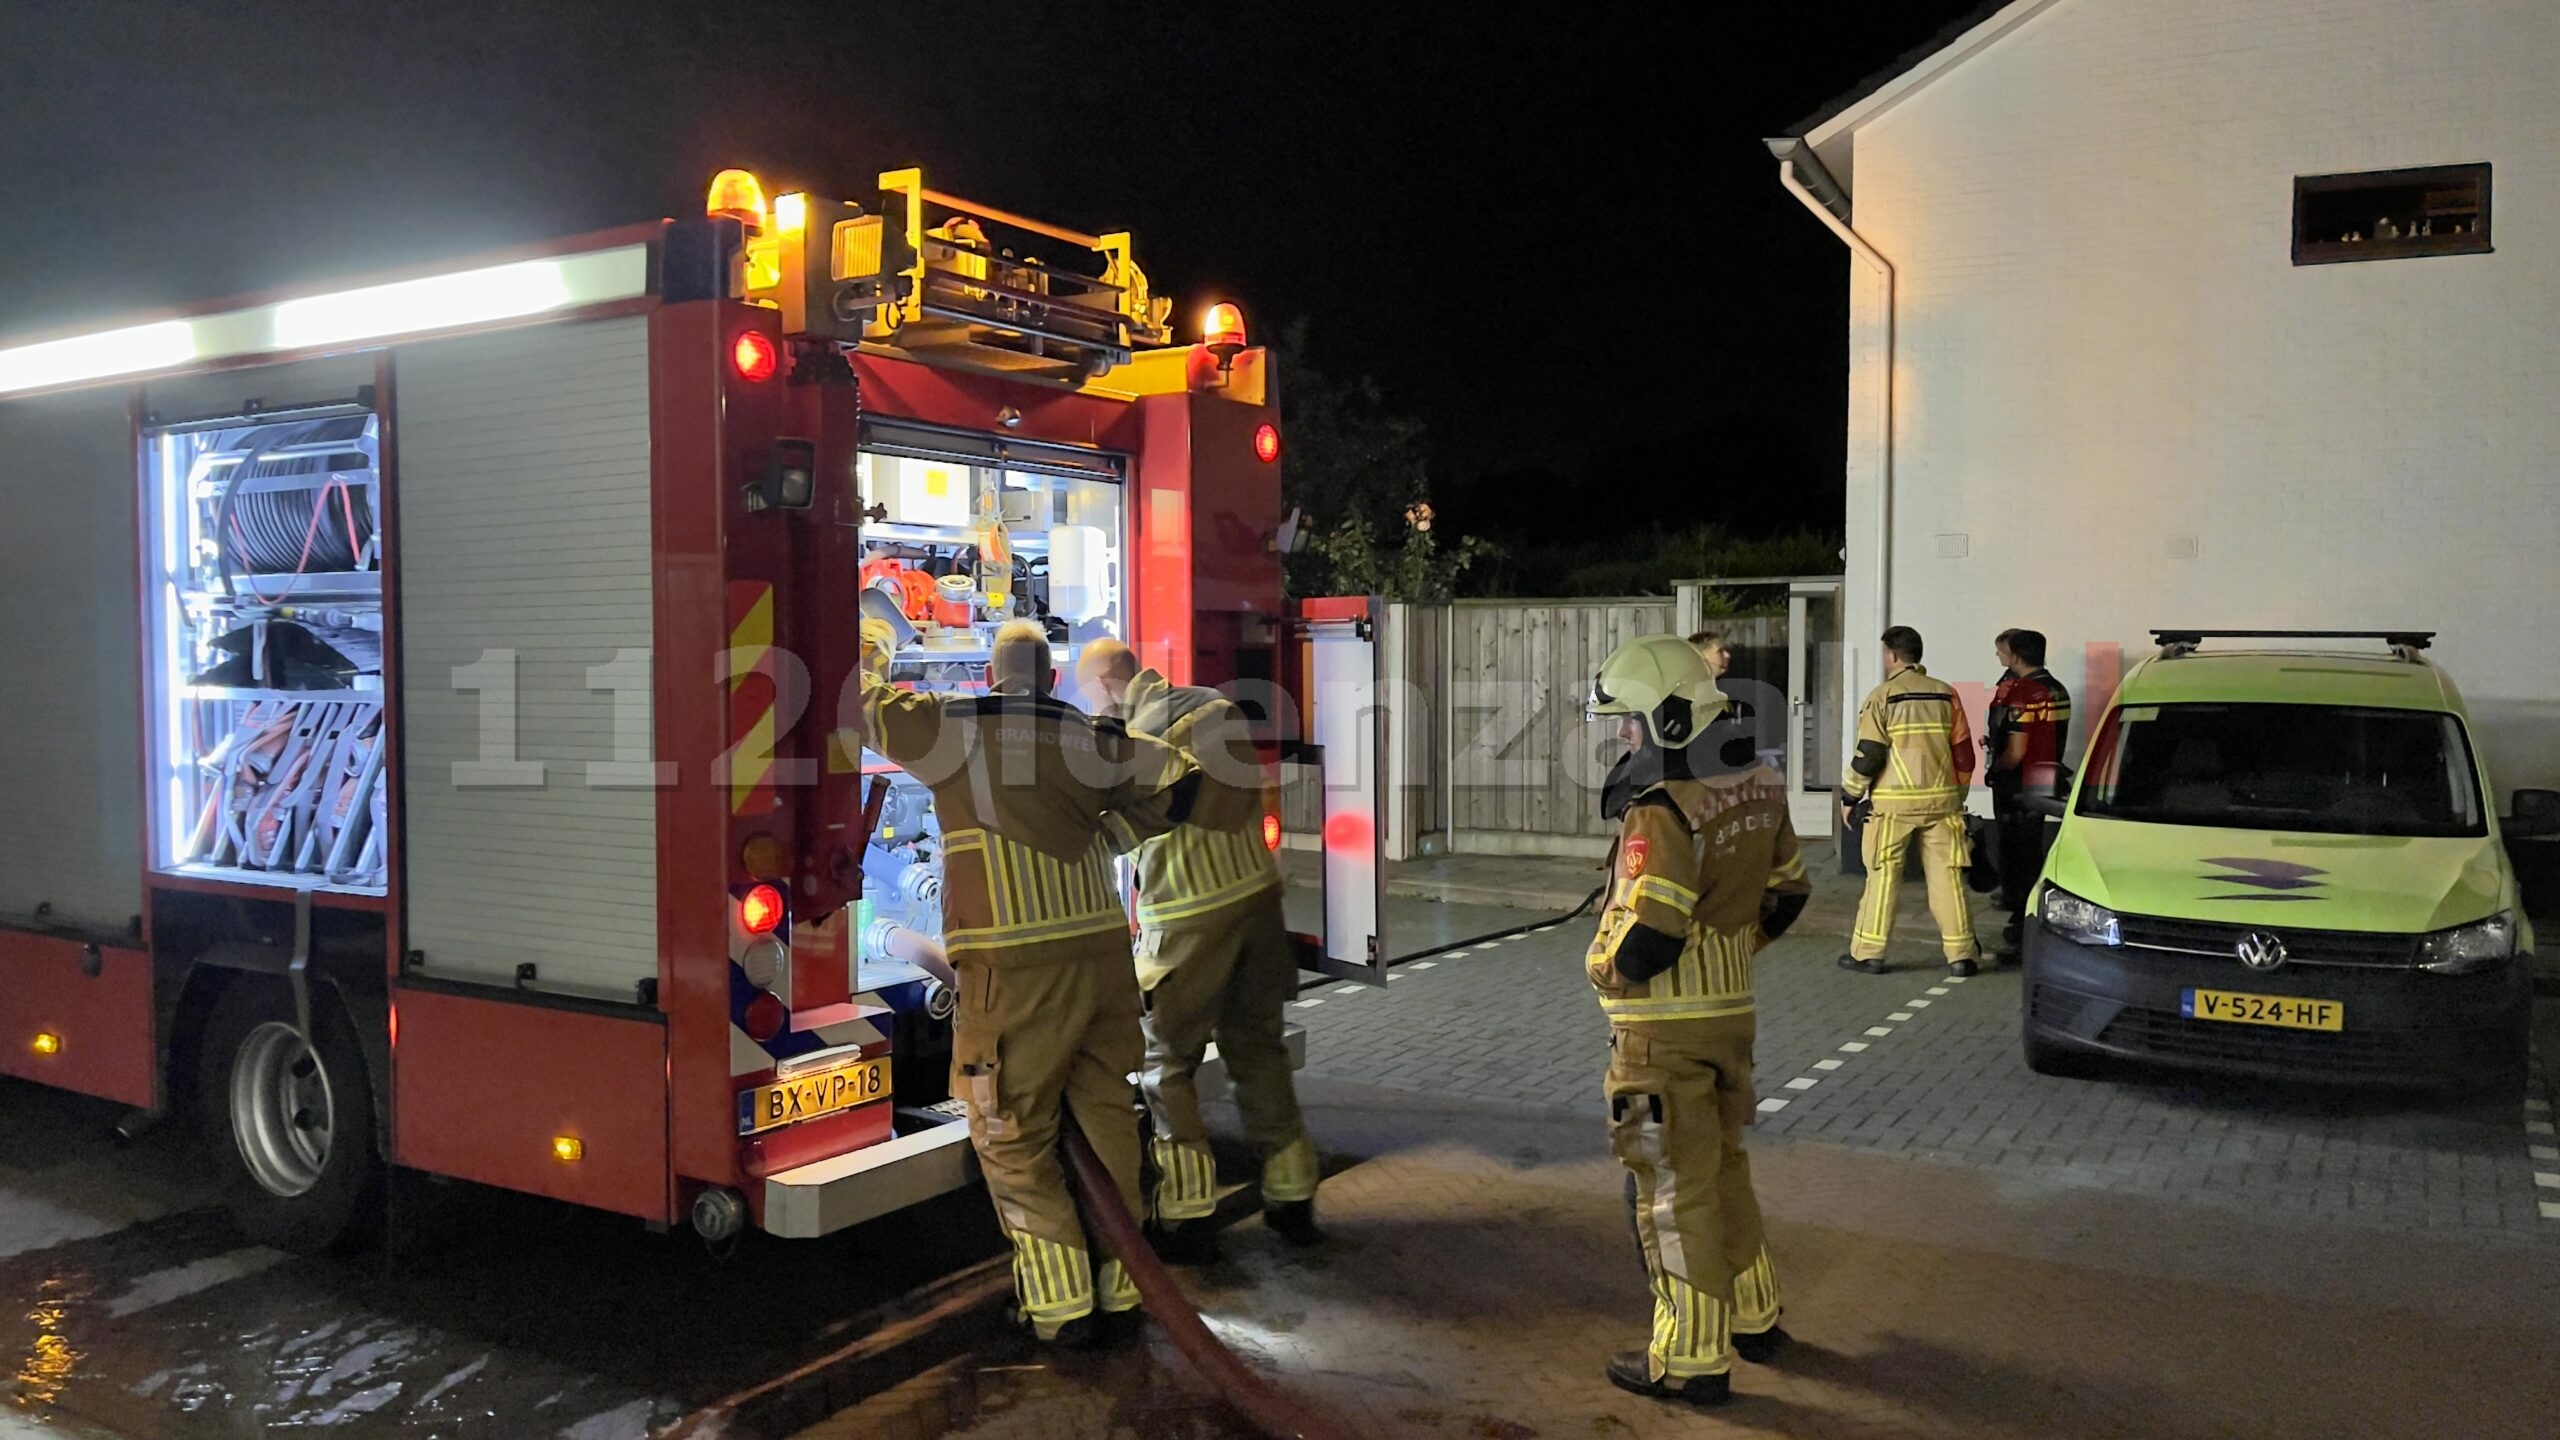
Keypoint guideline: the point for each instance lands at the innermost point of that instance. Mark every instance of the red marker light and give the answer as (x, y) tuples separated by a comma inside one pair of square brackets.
[(1349, 830), (755, 356), (1270, 831), (766, 1017), (1266, 444), (761, 910)]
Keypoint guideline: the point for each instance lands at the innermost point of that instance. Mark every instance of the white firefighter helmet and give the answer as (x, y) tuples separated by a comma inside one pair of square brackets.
[(1663, 680)]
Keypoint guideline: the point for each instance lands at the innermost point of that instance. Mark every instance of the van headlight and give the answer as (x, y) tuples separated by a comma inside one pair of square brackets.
[(2465, 948), (2073, 918)]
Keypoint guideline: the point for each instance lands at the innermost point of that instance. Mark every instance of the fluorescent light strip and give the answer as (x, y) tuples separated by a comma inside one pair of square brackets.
[(93, 357), (472, 297), (376, 312)]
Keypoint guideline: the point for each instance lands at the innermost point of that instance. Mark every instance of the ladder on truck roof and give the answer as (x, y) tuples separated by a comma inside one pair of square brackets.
[(923, 277)]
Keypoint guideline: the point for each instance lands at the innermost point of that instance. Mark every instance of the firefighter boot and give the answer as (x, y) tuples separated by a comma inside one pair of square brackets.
[(1081, 1333), (1762, 1348), (1755, 1304), (1185, 1199), (1117, 1319), (1289, 1192), (1293, 1221), (1632, 1370), (1187, 1242)]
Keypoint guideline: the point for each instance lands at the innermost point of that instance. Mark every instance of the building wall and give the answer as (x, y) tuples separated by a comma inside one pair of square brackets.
[(2118, 404)]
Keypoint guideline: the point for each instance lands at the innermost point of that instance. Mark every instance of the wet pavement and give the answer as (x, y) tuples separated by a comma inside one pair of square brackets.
[(1969, 1249), (133, 1309)]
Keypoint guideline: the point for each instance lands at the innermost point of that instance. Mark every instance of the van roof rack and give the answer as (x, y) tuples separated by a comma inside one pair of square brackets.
[(2404, 643)]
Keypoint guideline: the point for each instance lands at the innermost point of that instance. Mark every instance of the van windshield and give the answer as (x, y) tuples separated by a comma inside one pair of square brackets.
[(2329, 768)]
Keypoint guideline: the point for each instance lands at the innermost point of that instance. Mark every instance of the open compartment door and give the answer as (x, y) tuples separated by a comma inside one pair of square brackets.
[(1348, 727)]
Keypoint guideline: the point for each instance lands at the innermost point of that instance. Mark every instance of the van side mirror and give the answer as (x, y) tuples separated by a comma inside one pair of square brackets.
[(2537, 812)]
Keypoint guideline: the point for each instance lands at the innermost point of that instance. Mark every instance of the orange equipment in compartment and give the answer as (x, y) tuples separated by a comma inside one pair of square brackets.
[(913, 587)]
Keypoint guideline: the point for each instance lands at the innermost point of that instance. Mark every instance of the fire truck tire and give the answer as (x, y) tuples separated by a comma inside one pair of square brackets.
[(290, 1124)]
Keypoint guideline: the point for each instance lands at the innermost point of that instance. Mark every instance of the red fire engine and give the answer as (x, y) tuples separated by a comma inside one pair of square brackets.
[(425, 694)]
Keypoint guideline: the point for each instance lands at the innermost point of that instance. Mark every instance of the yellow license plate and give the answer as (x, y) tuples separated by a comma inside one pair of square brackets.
[(2290, 1012), (806, 1097)]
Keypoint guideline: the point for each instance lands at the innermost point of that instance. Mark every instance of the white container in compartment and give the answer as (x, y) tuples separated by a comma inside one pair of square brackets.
[(921, 492), (1080, 578)]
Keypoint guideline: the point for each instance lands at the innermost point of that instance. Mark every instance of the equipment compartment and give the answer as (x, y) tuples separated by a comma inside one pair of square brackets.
[(267, 753), (958, 543)]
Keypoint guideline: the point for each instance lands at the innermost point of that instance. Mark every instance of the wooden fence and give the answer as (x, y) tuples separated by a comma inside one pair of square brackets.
[(1487, 748), (1522, 766)]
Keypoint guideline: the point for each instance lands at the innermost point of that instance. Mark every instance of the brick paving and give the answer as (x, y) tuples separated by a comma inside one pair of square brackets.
[(1967, 1249), (1481, 1273), (1515, 1022)]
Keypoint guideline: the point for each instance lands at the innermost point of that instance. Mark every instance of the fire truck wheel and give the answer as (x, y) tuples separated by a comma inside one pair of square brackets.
[(294, 1119)]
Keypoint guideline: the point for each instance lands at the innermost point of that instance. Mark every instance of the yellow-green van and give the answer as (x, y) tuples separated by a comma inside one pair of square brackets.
[(2282, 858)]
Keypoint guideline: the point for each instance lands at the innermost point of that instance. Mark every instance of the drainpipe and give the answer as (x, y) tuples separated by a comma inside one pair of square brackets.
[(1804, 177)]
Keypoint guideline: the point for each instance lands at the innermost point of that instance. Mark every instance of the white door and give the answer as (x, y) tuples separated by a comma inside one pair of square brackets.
[(1350, 744), (1813, 706)]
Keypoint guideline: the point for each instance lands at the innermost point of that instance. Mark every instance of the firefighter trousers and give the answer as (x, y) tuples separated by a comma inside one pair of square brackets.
[(1679, 1096), (2023, 839), (1225, 977), (1944, 852), (1031, 1044)]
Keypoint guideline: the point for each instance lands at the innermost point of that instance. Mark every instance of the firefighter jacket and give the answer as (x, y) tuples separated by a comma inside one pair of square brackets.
[(2036, 706), (1706, 873), (1021, 785), (1915, 748), (1185, 878)]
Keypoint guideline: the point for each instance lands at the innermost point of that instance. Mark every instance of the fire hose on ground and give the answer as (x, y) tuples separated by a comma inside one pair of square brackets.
[(1309, 943), (1271, 1411)]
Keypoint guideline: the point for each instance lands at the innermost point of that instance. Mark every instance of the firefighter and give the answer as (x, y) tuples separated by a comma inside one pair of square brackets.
[(2022, 742), (1215, 963), (1912, 767), (1705, 874), (1047, 1025)]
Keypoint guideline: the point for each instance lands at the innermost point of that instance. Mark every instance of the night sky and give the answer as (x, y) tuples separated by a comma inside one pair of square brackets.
[(1560, 244)]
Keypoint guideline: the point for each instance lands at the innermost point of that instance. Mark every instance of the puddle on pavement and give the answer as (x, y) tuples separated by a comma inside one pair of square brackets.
[(1139, 1393), (530, 1320)]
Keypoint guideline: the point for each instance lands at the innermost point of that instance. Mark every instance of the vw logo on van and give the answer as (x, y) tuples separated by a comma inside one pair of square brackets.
[(2261, 951)]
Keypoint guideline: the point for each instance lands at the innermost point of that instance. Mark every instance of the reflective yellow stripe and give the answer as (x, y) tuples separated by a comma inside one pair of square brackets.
[(1115, 1292), (1033, 896), (1162, 912), (1192, 871), (1186, 1181), (992, 936), (1692, 1332), (1918, 792), (1712, 978), (1792, 870), (1663, 892), (1053, 1282), (1755, 1295), (1290, 1174), (1675, 1008)]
